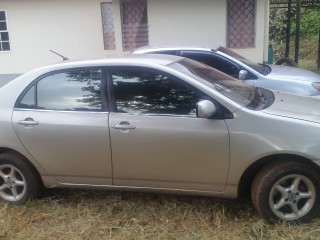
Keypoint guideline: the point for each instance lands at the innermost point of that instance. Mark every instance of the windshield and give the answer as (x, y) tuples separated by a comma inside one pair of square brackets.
[(260, 68), (233, 89)]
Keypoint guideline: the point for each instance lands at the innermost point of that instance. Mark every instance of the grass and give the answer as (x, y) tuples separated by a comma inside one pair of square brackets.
[(309, 64), (80, 214)]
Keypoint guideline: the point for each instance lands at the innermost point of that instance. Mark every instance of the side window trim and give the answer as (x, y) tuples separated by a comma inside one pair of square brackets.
[(35, 95), (104, 90), (35, 84), (110, 92), (168, 52)]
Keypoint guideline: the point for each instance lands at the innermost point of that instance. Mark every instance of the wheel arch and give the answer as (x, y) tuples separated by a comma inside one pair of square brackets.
[(14, 152), (245, 183)]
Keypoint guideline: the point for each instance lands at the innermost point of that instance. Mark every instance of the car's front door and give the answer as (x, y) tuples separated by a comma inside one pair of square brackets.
[(157, 140), (62, 121)]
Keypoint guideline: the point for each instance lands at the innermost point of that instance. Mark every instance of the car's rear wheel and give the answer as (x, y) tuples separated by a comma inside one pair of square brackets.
[(19, 181), (287, 190)]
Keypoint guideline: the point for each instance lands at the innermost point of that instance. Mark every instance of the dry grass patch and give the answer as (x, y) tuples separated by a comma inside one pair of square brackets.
[(309, 64), (76, 214)]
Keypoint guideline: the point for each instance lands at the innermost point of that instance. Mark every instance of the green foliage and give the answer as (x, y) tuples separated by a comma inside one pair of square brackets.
[(309, 34), (278, 24), (310, 22)]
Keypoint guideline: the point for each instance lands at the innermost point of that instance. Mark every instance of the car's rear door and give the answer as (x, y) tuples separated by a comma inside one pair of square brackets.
[(157, 140), (62, 120)]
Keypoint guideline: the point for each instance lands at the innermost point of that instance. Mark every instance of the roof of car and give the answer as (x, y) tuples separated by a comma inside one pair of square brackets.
[(129, 58), (134, 60), (148, 48)]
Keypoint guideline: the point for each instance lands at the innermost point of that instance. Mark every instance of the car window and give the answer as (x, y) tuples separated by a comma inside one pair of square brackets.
[(73, 90), (169, 52), (237, 91), (140, 91), (214, 61), (260, 68), (29, 100)]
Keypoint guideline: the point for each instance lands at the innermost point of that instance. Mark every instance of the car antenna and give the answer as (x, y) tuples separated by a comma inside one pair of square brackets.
[(63, 57)]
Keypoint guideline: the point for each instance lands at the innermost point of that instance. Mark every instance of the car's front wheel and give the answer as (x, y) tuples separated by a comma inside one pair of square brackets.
[(287, 190), (18, 179)]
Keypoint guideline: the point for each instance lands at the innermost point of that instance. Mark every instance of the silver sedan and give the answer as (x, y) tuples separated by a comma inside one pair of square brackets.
[(159, 123), (282, 78)]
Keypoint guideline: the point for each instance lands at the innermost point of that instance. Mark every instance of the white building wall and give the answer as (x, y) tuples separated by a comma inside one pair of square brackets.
[(74, 29), (187, 22)]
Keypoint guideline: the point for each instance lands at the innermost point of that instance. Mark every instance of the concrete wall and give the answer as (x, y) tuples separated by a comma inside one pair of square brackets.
[(203, 24), (74, 29), (187, 22)]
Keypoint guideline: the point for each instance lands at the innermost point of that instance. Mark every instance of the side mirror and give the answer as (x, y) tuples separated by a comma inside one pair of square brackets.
[(205, 109), (243, 74)]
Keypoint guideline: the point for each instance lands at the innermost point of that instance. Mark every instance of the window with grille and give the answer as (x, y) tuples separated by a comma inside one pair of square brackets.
[(108, 26), (4, 34), (134, 19), (241, 23)]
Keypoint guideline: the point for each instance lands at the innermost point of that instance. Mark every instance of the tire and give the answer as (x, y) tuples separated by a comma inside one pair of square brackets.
[(287, 190), (287, 61), (19, 181)]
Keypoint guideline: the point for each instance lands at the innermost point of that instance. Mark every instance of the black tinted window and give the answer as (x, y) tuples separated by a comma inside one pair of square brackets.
[(2, 16), (169, 52), (3, 26), (76, 90), (146, 92), (214, 61)]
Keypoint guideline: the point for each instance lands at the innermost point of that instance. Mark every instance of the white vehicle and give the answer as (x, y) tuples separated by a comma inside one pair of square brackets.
[(282, 78)]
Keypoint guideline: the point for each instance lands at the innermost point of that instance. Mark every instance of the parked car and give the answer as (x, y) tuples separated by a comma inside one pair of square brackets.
[(159, 123), (283, 78)]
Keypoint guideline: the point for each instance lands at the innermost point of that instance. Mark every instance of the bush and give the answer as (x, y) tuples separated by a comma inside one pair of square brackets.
[(309, 26)]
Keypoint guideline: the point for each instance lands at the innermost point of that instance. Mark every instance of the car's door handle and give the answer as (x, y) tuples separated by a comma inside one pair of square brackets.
[(123, 126), (28, 122)]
